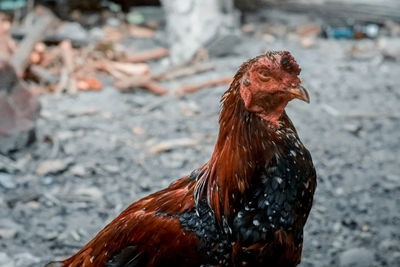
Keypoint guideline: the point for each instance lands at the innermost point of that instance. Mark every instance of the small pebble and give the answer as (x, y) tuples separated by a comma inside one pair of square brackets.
[(6, 233), (356, 257), (5, 260), (7, 181)]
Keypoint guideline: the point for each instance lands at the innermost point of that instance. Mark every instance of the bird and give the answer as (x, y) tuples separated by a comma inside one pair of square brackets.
[(246, 206)]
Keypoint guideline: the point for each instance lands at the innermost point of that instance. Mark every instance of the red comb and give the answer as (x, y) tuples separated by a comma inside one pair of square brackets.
[(289, 64)]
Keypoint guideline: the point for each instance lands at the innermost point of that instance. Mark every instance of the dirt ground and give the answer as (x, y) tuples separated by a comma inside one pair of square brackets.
[(93, 154)]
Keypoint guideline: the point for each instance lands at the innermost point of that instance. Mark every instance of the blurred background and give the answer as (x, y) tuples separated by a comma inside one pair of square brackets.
[(104, 102)]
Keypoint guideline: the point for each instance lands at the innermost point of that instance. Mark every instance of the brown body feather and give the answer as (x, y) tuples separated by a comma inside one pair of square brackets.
[(139, 225)]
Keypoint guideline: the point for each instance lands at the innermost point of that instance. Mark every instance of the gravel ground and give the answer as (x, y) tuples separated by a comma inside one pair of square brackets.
[(92, 157)]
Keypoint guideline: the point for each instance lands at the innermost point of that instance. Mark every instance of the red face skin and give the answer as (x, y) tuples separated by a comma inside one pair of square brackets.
[(269, 84)]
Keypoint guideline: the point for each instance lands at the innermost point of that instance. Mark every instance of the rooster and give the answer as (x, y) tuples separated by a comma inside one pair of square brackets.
[(246, 207)]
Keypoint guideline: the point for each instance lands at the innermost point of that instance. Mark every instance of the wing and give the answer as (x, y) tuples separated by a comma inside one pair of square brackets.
[(147, 232), (130, 256)]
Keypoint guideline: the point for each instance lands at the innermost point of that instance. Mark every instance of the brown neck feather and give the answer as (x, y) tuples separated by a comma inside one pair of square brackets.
[(245, 141)]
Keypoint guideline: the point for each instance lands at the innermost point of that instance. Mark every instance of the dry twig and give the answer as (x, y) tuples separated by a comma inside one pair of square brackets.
[(148, 55), (66, 82), (184, 71), (171, 144), (140, 32), (143, 81), (373, 116), (195, 87)]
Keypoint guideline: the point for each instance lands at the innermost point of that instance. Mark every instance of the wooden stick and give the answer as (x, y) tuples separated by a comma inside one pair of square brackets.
[(195, 87), (128, 83), (143, 81), (63, 81), (127, 68), (67, 81), (373, 116), (155, 87), (67, 55), (184, 71), (20, 59), (148, 55), (171, 144)]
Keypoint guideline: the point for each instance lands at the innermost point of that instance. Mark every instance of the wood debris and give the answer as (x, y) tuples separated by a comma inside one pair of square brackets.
[(172, 144), (89, 83), (140, 32), (61, 66), (148, 55), (195, 87), (144, 81), (184, 71)]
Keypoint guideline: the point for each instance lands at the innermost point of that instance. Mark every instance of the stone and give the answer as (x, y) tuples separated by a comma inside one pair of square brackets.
[(356, 257), (25, 259), (96, 34), (73, 31), (19, 109), (147, 15), (5, 260), (392, 177), (113, 22), (393, 28), (7, 233), (388, 244), (308, 42), (364, 49), (53, 166), (91, 192), (353, 128), (7, 165), (390, 48), (145, 185), (47, 180), (112, 169), (7, 181), (79, 171)]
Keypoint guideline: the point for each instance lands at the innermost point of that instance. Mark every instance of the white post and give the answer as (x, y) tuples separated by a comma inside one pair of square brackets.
[(192, 24)]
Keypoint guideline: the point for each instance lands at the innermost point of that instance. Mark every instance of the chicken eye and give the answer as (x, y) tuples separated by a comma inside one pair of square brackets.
[(264, 73)]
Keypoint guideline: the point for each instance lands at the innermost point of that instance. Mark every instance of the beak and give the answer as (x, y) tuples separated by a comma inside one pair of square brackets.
[(300, 93)]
